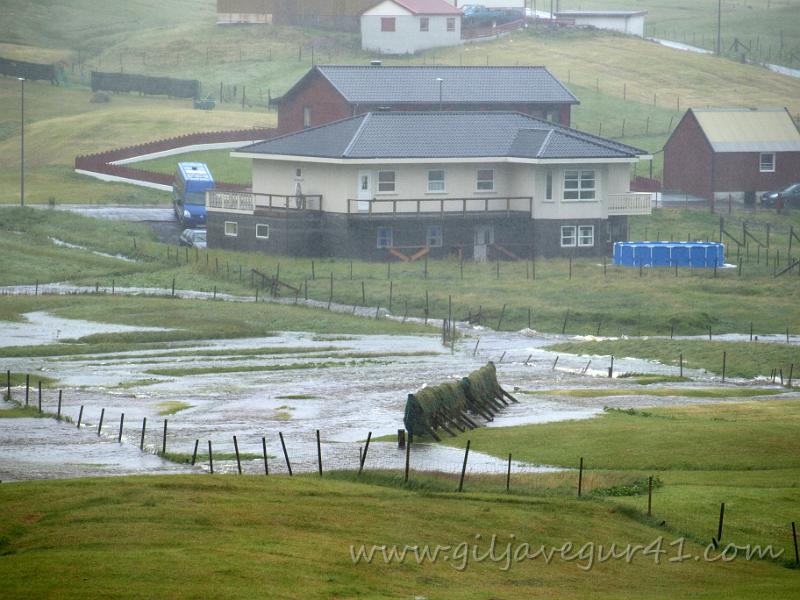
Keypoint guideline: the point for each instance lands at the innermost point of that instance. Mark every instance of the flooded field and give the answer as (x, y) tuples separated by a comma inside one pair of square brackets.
[(294, 383)]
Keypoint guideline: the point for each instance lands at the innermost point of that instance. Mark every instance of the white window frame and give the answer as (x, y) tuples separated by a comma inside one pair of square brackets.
[(435, 189), (768, 168), (385, 234), (383, 186), (451, 23), (233, 231), (479, 181), (583, 191), (434, 239), (586, 236), (570, 234), (424, 24), (262, 237), (548, 187)]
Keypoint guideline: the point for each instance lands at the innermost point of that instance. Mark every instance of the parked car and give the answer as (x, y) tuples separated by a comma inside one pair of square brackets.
[(193, 237), (207, 103), (789, 197)]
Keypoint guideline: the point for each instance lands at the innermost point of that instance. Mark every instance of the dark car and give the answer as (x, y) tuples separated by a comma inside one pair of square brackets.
[(789, 197), (193, 237)]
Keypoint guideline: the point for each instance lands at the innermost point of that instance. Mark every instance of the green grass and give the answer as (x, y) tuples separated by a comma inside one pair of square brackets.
[(20, 412), (170, 407), (743, 359), (650, 378), (262, 529), (185, 458)]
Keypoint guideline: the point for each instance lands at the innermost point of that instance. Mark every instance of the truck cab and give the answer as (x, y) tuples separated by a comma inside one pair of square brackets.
[(189, 193)]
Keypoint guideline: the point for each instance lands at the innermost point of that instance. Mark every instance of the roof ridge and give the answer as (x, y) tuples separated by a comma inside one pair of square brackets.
[(367, 117)]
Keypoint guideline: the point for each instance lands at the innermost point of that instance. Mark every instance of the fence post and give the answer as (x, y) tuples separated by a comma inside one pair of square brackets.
[(285, 454), (80, 416), (58, 413), (319, 454), (194, 453), (408, 456), (464, 468), (364, 455), (238, 459), (100, 424), (649, 497), (580, 478), (264, 448), (144, 426), (508, 474), (210, 458), (8, 385), (164, 440), (27, 388)]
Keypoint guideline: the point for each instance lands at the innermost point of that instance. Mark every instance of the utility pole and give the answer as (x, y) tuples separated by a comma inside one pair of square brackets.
[(22, 141)]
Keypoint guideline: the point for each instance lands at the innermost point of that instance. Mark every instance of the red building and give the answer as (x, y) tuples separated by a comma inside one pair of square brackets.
[(330, 93), (714, 153)]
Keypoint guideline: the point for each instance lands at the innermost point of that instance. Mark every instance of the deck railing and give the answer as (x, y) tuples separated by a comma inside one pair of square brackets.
[(393, 207), (632, 203), (248, 202)]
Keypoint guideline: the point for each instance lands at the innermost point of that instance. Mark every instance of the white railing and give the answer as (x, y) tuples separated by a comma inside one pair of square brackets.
[(248, 202), (632, 203)]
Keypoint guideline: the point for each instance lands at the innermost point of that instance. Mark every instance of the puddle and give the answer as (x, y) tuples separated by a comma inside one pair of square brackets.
[(64, 244), (43, 328)]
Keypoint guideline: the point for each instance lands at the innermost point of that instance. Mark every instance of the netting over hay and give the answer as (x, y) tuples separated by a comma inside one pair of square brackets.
[(455, 404)]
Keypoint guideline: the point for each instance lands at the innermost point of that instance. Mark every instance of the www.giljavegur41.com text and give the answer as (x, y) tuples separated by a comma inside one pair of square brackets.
[(505, 553)]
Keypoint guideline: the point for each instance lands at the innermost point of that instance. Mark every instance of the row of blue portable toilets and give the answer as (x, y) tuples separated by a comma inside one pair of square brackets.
[(697, 255)]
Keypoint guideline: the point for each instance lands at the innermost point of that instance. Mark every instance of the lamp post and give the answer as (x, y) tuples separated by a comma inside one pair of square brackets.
[(441, 81), (22, 141)]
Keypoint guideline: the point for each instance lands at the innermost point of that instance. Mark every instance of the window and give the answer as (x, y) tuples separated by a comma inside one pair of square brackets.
[(436, 181), (385, 237), (298, 173), (386, 181), (262, 231), (767, 163), (548, 192), (451, 23), (567, 236), (578, 185), (433, 237), (231, 228), (486, 180), (586, 235), (387, 24), (423, 23), (306, 117)]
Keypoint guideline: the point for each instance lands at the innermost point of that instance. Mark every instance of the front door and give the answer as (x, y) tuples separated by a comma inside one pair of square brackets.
[(364, 189), (484, 235)]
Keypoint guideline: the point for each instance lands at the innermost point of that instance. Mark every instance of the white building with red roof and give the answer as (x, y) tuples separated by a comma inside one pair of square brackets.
[(408, 26)]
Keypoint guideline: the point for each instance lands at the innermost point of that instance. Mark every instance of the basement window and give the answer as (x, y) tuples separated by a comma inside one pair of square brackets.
[(568, 236), (433, 236), (385, 237), (262, 231), (586, 235), (387, 24), (766, 162), (231, 228)]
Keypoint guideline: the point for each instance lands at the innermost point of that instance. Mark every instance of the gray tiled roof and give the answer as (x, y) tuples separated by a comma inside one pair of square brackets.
[(443, 135), (460, 85)]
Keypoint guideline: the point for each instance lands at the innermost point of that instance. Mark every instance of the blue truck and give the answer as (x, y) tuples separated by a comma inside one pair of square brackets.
[(189, 187)]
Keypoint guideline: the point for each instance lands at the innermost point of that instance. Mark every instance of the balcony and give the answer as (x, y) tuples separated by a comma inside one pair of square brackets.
[(632, 203), (248, 203), (431, 207)]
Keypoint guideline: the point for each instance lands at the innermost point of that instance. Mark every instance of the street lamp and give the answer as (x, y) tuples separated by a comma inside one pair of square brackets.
[(441, 81), (22, 141)]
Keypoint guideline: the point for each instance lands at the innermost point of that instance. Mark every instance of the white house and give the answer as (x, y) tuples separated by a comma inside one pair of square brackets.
[(400, 185), (630, 22), (408, 26)]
